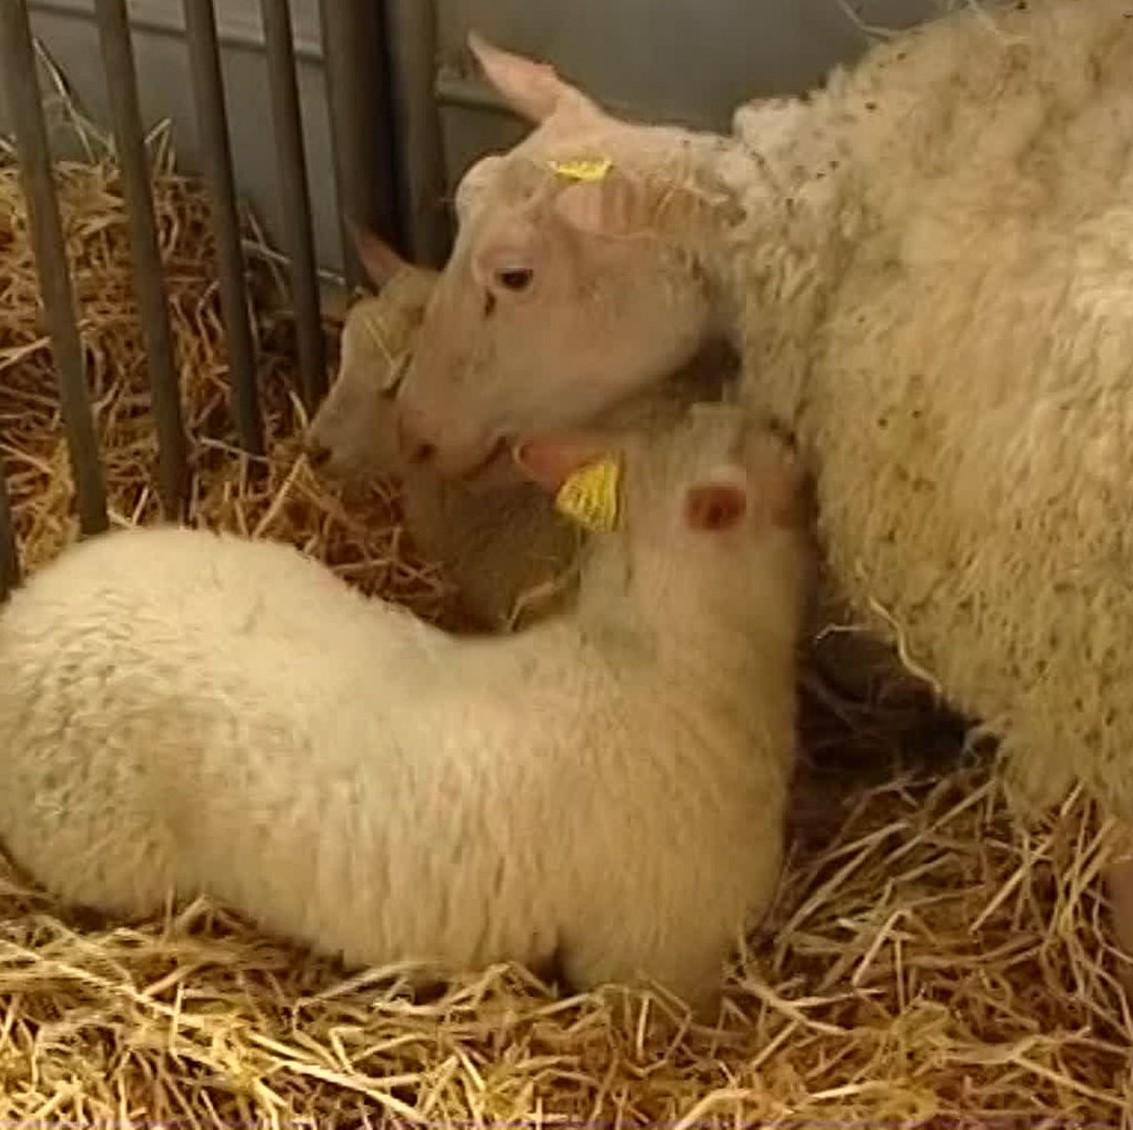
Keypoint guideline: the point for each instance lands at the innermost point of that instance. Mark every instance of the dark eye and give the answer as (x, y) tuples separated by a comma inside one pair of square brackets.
[(515, 278)]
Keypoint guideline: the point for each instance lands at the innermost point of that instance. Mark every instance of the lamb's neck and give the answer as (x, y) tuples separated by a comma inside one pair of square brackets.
[(703, 649), (765, 232)]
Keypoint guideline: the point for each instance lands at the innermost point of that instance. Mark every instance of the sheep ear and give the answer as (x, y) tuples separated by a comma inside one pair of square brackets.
[(549, 461), (715, 506), (380, 260), (613, 205), (624, 202), (532, 89), (783, 488)]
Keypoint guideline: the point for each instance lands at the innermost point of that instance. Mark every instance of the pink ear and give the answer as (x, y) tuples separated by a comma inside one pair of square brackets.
[(531, 88), (612, 206), (715, 506), (780, 483), (550, 460), (788, 497), (474, 183), (378, 258)]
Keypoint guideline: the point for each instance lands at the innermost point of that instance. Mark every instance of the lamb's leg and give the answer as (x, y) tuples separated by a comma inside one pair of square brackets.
[(693, 972)]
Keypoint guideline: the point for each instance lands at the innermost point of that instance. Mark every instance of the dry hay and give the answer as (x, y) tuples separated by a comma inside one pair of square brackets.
[(926, 964)]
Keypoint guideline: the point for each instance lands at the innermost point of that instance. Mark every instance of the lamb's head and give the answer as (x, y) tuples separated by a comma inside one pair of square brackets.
[(708, 518), (569, 286), (354, 432)]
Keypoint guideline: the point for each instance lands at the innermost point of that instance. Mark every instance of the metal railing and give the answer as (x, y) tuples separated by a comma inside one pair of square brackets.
[(358, 99)]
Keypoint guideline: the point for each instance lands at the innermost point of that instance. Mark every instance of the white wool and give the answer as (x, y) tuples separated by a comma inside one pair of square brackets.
[(185, 712), (959, 364)]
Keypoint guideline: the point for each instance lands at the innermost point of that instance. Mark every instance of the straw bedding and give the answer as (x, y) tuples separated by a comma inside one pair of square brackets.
[(927, 963)]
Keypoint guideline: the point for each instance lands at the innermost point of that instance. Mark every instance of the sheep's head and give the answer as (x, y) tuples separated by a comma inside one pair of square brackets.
[(354, 434), (562, 294)]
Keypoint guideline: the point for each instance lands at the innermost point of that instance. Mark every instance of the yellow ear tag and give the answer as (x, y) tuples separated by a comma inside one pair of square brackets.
[(583, 168), (590, 496)]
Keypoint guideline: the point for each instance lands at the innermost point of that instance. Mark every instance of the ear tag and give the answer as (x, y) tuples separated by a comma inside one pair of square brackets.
[(590, 496), (583, 168)]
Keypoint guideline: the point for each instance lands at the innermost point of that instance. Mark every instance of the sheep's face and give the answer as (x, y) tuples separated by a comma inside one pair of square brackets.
[(711, 513), (559, 298), (353, 434)]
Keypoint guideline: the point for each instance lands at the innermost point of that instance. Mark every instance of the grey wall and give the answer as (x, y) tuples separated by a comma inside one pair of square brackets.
[(693, 61)]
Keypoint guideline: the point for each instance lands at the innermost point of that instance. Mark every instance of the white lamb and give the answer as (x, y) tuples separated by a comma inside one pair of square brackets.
[(509, 555), (185, 712), (928, 265)]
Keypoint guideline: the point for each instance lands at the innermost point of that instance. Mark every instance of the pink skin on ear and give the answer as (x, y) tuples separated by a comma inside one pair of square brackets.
[(532, 89), (611, 206), (549, 462), (787, 500), (715, 507)]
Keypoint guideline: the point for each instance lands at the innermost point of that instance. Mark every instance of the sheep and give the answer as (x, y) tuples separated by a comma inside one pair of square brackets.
[(927, 265), (510, 556), (187, 713)]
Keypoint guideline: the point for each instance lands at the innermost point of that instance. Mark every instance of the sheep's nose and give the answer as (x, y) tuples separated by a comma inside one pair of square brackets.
[(318, 454), (413, 448)]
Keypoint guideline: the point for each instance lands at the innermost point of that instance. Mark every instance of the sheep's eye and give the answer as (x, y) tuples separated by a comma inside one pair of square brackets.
[(516, 278), (489, 304)]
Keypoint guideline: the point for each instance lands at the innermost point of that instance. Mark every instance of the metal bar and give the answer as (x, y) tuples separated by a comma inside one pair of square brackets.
[(357, 95), (216, 157), (237, 27), (17, 61), (295, 198), (9, 559), (413, 54), (149, 282)]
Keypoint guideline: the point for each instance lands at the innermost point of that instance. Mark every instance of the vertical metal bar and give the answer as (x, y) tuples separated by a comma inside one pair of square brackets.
[(295, 197), (216, 156), (17, 61), (9, 559), (412, 40), (149, 283), (354, 64)]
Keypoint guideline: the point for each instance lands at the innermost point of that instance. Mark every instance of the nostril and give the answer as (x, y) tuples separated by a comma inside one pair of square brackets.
[(422, 453), (318, 454)]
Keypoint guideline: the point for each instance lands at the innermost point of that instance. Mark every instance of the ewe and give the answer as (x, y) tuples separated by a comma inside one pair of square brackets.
[(928, 267)]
